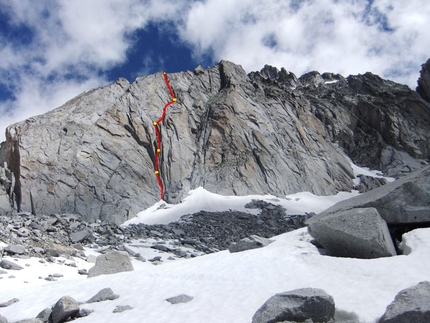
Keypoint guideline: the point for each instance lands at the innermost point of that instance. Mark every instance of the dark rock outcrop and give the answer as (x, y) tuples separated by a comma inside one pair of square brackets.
[(232, 133), (423, 87), (298, 305), (410, 305)]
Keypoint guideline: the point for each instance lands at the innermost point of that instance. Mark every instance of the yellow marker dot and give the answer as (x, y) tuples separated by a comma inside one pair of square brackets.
[(174, 99), (156, 172), (164, 73), (158, 150), (155, 123)]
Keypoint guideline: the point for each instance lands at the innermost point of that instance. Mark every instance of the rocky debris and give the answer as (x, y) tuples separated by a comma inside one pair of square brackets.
[(355, 233), (111, 263), (410, 305), (423, 88), (252, 242), (50, 236), (298, 305), (30, 321), (229, 132), (183, 298), (9, 302), (65, 308), (106, 294), (368, 183), (3, 319), (6, 264), (122, 308)]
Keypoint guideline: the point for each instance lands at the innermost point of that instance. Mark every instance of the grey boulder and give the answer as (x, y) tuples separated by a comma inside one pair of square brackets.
[(111, 263), (106, 294), (252, 242), (15, 249), (3, 319), (355, 233), (410, 305), (297, 305), (6, 264), (65, 308)]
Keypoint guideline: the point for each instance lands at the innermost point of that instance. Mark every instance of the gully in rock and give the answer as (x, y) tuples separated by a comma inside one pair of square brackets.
[(157, 132)]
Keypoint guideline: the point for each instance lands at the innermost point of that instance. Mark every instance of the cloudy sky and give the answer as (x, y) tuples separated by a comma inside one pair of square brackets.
[(52, 50)]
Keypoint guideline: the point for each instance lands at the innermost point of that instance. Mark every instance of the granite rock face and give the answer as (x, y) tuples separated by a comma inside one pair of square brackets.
[(229, 132)]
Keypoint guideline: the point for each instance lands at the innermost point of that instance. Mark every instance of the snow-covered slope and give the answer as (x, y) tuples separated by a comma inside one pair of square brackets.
[(231, 287)]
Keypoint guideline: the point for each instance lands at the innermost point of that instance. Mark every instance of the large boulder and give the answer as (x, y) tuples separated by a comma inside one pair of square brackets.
[(65, 308), (410, 305), (355, 233), (403, 201), (111, 263), (297, 305), (423, 87)]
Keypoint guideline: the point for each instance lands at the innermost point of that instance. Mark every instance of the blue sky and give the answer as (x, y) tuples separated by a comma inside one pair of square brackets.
[(52, 50)]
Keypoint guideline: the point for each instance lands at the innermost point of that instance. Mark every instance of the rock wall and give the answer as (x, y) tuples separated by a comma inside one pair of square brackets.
[(232, 133)]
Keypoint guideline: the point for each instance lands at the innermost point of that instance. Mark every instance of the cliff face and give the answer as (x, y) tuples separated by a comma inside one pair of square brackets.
[(232, 133)]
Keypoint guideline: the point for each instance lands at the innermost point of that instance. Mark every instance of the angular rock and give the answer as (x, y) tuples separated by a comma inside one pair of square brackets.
[(297, 305), (122, 308), (355, 233), (3, 319), (252, 242), (45, 314), (410, 305), (111, 263), (368, 183), (403, 201), (6, 264), (106, 294), (183, 298), (15, 249), (83, 312), (423, 88), (80, 236), (65, 308)]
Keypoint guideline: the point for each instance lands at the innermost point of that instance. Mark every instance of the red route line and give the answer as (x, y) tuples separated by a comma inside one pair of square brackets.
[(157, 132)]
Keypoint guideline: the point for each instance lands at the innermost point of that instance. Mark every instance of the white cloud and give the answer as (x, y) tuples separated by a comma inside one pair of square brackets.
[(73, 43), (386, 37)]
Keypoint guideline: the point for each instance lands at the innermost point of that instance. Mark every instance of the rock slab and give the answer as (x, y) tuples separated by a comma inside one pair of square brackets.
[(297, 305), (355, 233), (410, 305), (111, 263), (6, 264)]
